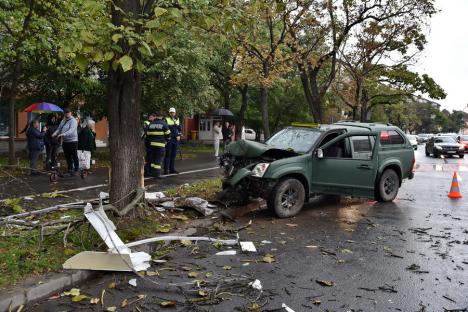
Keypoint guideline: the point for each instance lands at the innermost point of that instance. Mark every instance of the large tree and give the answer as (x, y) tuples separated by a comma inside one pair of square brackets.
[(321, 33)]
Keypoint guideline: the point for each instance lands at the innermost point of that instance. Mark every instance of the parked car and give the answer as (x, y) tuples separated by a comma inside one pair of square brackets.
[(248, 134), (413, 140), (423, 137), (297, 163), (444, 145), (463, 140)]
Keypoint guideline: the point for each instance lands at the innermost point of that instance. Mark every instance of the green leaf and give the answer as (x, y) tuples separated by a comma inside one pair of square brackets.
[(159, 11), (140, 66), (81, 62), (98, 56), (126, 62), (116, 37), (108, 56), (145, 49)]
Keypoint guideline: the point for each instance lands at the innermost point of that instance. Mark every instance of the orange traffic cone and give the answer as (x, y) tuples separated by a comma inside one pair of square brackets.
[(454, 188)]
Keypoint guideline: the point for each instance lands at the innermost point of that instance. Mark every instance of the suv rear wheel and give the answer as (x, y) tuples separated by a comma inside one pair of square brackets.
[(388, 186), (287, 198)]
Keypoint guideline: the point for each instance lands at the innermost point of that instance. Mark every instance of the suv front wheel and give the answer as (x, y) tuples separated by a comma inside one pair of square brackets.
[(388, 186), (287, 198)]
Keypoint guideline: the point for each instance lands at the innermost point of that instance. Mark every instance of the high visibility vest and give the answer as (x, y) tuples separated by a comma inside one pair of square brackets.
[(174, 126)]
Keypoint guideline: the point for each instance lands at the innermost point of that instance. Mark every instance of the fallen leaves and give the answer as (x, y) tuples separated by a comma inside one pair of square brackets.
[(186, 242), (325, 283), (94, 301), (111, 309), (79, 298), (192, 274), (268, 258), (291, 224), (167, 303), (54, 194), (75, 295), (227, 267), (152, 273)]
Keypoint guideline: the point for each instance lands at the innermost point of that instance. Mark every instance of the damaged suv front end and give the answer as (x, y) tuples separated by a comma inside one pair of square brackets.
[(252, 169)]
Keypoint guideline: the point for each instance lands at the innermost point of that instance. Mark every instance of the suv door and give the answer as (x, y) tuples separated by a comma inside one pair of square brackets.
[(348, 166)]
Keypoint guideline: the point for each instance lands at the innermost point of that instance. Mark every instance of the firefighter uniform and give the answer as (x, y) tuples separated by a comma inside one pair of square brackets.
[(171, 146), (157, 134)]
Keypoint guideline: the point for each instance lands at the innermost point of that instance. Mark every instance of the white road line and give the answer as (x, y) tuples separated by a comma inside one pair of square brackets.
[(102, 185)]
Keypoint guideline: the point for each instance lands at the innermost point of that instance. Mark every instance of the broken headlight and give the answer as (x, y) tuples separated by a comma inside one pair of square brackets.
[(260, 169)]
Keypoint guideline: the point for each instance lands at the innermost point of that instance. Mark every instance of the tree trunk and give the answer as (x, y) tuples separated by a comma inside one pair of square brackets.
[(226, 98), (314, 100), (12, 112), (241, 116), (123, 106), (265, 115)]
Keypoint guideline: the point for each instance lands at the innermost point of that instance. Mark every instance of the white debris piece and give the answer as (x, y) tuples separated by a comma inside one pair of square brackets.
[(103, 195), (265, 242), (118, 258), (248, 247), (197, 203), (229, 242), (149, 196), (256, 285), (168, 204), (226, 253), (288, 309), (28, 198), (133, 282)]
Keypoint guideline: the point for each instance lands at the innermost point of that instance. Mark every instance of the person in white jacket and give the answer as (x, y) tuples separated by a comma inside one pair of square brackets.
[(217, 137)]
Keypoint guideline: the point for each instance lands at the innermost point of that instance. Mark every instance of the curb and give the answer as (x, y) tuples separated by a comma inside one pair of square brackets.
[(52, 283)]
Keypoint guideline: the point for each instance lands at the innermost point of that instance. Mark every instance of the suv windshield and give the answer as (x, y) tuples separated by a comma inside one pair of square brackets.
[(444, 140), (297, 139)]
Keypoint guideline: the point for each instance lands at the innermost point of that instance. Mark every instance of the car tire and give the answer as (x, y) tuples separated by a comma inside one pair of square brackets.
[(287, 198), (387, 188), (461, 155)]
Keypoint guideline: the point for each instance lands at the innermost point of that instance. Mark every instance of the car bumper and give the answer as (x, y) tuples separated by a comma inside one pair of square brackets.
[(449, 153)]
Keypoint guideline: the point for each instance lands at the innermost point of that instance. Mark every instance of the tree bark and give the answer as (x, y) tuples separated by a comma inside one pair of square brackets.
[(12, 113), (123, 106), (241, 116), (265, 115)]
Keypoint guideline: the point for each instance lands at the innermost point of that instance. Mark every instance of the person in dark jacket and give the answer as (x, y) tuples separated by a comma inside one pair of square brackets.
[(227, 134), (51, 143), (157, 134), (35, 144), (87, 137)]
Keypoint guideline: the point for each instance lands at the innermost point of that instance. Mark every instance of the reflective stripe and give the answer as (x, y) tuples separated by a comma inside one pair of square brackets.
[(147, 122), (167, 132), (155, 166), (155, 133), (158, 144), (172, 122)]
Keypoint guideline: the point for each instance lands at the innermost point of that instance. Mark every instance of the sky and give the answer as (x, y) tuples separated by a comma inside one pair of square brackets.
[(446, 55)]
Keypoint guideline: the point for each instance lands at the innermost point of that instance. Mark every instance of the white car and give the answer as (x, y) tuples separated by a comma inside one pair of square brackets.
[(413, 140), (248, 134)]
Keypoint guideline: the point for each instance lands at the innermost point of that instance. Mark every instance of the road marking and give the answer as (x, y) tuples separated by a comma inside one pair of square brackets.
[(441, 167), (90, 187)]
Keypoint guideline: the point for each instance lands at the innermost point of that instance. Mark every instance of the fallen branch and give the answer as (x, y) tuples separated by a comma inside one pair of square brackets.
[(230, 242), (140, 194)]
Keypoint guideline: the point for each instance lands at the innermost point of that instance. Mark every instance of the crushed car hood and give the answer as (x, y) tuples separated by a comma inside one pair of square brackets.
[(251, 149)]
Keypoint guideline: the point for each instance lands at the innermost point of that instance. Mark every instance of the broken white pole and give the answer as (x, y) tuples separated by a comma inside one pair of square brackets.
[(248, 247), (118, 258), (228, 242)]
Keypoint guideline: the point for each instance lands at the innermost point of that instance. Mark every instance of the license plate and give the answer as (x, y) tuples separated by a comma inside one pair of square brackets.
[(451, 152)]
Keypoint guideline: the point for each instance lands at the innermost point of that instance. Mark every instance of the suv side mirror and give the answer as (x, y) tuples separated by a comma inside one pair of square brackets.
[(320, 153)]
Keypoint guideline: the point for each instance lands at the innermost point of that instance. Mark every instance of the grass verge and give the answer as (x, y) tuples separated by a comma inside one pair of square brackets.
[(23, 253)]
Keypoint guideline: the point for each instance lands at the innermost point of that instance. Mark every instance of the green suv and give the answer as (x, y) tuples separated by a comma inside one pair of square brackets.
[(299, 162)]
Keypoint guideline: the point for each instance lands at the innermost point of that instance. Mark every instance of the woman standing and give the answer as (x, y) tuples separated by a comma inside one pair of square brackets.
[(51, 143), (35, 144), (87, 142), (217, 137)]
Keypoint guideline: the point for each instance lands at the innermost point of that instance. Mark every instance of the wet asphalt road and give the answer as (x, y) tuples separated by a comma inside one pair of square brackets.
[(410, 255)]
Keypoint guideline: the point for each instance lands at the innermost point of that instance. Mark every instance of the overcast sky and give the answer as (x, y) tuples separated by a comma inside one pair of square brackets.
[(446, 55)]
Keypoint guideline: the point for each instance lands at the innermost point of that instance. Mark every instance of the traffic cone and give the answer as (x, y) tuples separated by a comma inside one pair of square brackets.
[(454, 188)]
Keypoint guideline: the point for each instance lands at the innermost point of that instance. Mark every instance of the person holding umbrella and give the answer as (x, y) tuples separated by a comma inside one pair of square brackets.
[(68, 131), (35, 144)]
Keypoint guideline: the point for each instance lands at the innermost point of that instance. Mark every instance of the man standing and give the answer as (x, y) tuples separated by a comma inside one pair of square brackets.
[(147, 122), (171, 147), (68, 131), (217, 137), (227, 134), (157, 134)]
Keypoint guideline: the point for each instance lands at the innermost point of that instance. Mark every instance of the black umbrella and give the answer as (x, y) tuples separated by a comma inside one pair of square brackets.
[(222, 112)]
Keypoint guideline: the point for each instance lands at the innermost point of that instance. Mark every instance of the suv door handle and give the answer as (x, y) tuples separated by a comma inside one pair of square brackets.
[(365, 167)]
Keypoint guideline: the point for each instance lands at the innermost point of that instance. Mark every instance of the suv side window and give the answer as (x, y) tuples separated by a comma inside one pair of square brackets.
[(354, 147), (391, 137)]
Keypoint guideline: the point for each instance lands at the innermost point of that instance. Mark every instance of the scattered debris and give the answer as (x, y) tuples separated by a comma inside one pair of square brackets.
[(248, 247), (416, 269), (226, 253), (325, 283), (152, 196), (288, 309), (449, 299), (265, 242), (256, 285), (133, 282)]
